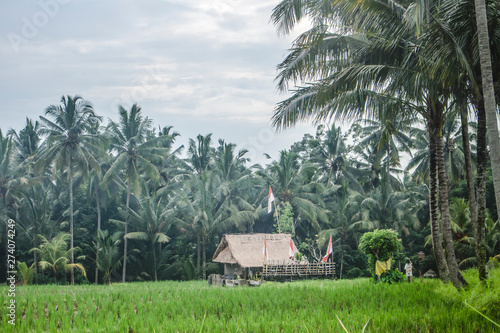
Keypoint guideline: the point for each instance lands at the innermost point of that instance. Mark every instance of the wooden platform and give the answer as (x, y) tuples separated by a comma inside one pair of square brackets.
[(276, 270)]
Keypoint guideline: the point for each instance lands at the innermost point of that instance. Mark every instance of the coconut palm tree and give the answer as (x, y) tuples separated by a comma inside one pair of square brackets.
[(69, 145), (453, 150), (330, 153), (107, 252), (56, 256), (133, 156), (25, 274), (7, 179), (384, 139), (490, 106), (36, 215), (96, 188), (200, 153), (346, 217), (235, 180), (27, 141), (209, 202), (462, 52), (295, 182), (151, 218)]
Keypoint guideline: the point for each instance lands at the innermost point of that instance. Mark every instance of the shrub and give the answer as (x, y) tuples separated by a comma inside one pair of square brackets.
[(391, 276), (380, 244)]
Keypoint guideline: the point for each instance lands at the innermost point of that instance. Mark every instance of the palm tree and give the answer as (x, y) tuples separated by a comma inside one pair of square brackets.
[(235, 179), (95, 185), (470, 42), (295, 183), (56, 256), (6, 152), (453, 151), (27, 141), (200, 153), (107, 252), (37, 208), (133, 155), (25, 274), (206, 203), (395, 210), (345, 218), (490, 106), (384, 138), (7, 179), (152, 218), (69, 145), (330, 153), (487, 116)]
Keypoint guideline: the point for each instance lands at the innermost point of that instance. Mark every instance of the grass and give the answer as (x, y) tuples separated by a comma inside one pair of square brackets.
[(304, 306)]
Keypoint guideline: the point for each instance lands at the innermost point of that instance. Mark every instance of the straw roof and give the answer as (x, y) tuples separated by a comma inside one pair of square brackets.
[(247, 250)]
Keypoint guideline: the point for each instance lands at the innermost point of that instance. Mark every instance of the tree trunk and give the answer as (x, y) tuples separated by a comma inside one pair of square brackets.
[(124, 272), (98, 206), (468, 165), (35, 257), (341, 255), (204, 267), (198, 255), (70, 177), (488, 95), (479, 226), (434, 210), (478, 221), (154, 263), (455, 274)]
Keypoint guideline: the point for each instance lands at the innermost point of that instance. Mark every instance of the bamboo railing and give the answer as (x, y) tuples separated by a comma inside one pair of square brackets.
[(291, 269)]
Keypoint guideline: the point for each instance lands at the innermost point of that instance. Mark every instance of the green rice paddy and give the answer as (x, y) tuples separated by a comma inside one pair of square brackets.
[(304, 306)]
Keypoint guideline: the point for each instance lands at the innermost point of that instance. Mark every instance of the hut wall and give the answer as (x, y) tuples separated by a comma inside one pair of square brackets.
[(230, 269)]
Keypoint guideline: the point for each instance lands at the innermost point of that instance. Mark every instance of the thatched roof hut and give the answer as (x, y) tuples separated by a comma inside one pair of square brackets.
[(246, 250)]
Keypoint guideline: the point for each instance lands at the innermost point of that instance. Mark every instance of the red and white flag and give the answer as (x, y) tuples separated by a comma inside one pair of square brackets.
[(270, 200), (290, 250), (329, 250), (266, 254)]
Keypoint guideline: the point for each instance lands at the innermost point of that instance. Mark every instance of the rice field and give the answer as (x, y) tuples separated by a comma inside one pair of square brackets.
[(304, 306)]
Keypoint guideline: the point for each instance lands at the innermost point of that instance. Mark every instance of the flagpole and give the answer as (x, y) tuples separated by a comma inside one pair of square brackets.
[(277, 216)]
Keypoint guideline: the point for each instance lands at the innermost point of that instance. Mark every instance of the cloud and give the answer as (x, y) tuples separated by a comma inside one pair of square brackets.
[(191, 64)]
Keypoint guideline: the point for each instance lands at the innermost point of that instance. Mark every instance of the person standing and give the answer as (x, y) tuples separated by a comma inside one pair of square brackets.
[(409, 269)]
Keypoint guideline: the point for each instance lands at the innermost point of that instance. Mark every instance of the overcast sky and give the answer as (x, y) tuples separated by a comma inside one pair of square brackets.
[(202, 66)]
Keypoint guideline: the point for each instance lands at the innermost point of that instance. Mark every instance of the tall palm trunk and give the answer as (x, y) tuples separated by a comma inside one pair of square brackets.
[(455, 274), (488, 94), (479, 228), (204, 267), (342, 240), (468, 164), (98, 206), (198, 255), (154, 262), (124, 272), (434, 210), (70, 177), (478, 220), (35, 256)]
